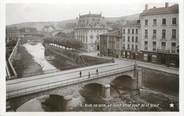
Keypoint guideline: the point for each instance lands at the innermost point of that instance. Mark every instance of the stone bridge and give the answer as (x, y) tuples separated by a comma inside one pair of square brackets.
[(19, 91)]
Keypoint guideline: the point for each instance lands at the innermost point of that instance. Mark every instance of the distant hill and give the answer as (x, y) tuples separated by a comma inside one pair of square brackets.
[(68, 25)]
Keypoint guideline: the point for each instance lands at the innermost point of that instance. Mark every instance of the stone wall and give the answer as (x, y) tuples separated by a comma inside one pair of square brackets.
[(161, 81)]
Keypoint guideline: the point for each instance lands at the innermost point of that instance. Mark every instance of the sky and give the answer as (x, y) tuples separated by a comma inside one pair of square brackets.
[(18, 12)]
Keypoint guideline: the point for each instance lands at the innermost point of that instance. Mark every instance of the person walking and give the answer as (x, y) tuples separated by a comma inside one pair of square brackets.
[(97, 71), (88, 74), (80, 74)]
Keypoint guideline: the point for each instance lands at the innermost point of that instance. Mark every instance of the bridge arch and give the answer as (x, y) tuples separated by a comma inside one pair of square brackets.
[(92, 89), (124, 82), (49, 102), (93, 93)]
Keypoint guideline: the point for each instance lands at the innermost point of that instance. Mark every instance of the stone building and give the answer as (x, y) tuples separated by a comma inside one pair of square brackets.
[(87, 30), (131, 39), (111, 44), (160, 34)]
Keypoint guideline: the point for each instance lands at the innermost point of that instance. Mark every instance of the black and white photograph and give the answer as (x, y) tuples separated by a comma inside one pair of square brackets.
[(114, 56)]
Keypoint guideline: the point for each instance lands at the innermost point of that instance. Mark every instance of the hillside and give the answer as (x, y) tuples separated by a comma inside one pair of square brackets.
[(68, 25)]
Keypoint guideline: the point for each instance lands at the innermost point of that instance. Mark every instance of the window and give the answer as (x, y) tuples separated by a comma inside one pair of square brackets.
[(132, 46), (128, 31), (145, 45), (146, 33), (123, 46), (164, 21), (136, 31), (123, 38), (132, 31), (173, 33), (128, 38), (128, 46), (173, 44), (136, 48), (154, 21), (154, 46), (136, 39), (174, 21), (154, 33), (146, 22), (163, 34), (123, 31), (173, 47), (132, 38), (163, 45)]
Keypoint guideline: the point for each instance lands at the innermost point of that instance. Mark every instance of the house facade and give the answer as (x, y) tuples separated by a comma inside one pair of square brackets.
[(131, 39), (160, 34), (88, 29), (111, 44), (153, 37)]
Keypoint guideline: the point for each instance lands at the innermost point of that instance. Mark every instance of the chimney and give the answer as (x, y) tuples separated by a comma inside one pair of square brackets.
[(166, 5), (146, 7)]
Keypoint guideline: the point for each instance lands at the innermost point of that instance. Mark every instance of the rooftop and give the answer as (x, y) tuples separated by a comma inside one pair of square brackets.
[(132, 23), (161, 10)]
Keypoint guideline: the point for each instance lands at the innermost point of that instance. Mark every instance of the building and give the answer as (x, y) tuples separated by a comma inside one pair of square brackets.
[(28, 30), (131, 39), (87, 30), (12, 34), (111, 44), (29, 33), (160, 34)]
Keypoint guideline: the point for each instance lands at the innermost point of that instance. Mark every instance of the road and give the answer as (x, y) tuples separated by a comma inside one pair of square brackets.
[(163, 68)]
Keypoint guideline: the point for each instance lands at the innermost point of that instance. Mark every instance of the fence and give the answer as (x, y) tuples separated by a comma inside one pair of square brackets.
[(10, 60)]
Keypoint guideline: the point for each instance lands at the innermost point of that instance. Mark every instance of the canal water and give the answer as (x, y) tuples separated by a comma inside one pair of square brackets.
[(37, 51)]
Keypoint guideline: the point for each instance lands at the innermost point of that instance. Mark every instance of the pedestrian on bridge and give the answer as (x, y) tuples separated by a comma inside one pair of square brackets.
[(88, 74), (80, 74), (97, 71)]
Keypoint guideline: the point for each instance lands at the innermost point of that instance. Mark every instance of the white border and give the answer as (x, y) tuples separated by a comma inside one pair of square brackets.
[(2, 59)]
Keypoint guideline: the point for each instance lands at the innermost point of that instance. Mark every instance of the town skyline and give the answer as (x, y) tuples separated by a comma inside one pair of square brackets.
[(40, 12)]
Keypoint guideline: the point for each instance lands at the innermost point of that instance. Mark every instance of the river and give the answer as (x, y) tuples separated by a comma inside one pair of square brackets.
[(37, 51)]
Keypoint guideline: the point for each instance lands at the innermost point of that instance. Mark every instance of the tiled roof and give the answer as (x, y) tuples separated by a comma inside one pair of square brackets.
[(162, 10)]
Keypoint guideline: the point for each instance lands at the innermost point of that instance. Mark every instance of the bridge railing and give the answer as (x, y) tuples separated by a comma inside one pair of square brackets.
[(77, 79), (56, 73)]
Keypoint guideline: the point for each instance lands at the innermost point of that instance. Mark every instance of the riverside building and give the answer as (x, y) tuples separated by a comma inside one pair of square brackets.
[(88, 29), (160, 34)]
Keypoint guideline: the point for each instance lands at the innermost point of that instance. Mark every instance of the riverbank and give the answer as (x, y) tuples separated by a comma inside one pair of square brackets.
[(69, 59), (25, 65)]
